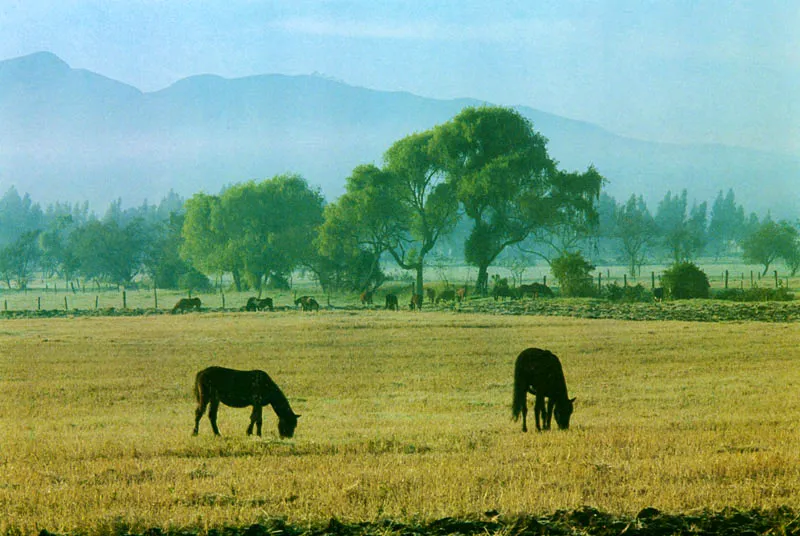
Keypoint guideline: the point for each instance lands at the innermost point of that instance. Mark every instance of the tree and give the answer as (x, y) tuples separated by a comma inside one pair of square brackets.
[(573, 273), (18, 260), (508, 184), (253, 230), (683, 233), (106, 251), (726, 224), (365, 222), (425, 205), (770, 241), (635, 229)]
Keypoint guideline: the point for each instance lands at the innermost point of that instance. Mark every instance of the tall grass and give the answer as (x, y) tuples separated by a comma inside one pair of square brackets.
[(403, 415)]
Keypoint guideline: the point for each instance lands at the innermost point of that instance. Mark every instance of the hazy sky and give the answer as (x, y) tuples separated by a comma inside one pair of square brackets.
[(679, 71)]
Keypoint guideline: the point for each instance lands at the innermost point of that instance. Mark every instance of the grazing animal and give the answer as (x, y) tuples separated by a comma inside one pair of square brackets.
[(416, 302), (539, 372), (258, 304), (187, 304), (535, 290), (391, 302), (461, 294), (446, 296), (307, 303), (366, 297), (430, 293), (239, 389), (658, 294)]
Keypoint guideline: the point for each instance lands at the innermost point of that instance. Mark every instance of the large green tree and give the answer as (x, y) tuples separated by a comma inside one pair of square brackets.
[(253, 230), (683, 230), (425, 205), (361, 225), (507, 183)]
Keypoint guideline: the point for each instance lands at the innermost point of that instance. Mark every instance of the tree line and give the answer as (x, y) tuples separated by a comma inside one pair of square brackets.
[(480, 188)]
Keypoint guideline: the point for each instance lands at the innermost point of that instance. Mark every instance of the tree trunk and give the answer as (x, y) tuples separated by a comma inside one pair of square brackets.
[(418, 286), (482, 283)]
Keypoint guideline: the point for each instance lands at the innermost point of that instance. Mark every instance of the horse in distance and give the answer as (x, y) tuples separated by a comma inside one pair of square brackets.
[(391, 302), (240, 389), (187, 304), (539, 372), (307, 303), (258, 304)]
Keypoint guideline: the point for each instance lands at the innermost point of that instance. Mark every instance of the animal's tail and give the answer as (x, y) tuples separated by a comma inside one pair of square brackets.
[(520, 390), (197, 388)]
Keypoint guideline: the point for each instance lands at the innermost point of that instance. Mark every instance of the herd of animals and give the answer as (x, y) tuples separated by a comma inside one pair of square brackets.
[(308, 303), (536, 371)]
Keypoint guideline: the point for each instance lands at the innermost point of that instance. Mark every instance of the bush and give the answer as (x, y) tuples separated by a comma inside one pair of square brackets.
[(573, 274), (194, 280), (684, 280), (629, 294), (755, 294)]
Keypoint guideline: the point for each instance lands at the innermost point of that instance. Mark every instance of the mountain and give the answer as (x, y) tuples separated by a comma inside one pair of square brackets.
[(73, 135)]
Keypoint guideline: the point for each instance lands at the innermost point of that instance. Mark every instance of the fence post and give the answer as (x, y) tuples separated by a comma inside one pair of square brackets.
[(39, 303), (599, 280), (5, 305), (544, 280), (96, 302), (751, 279), (223, 299), (652, 280), (625, 280), (726, 279), (124, 300), (776, 278), (66, 307), (155, 297)]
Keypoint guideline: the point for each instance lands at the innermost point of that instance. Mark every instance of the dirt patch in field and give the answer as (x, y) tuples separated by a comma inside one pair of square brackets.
[(649, 521)]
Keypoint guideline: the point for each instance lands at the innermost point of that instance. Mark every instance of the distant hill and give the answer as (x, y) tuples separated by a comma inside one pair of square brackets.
[(73, 135)]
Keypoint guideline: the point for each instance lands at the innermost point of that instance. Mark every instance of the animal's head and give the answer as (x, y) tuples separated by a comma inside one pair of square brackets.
[(286, 425), (563, 412)]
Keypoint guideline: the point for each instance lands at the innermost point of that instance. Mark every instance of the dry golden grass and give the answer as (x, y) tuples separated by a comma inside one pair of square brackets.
[(404, 416)]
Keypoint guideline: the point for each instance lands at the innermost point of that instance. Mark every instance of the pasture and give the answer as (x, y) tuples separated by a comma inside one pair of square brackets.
[(404, 416)]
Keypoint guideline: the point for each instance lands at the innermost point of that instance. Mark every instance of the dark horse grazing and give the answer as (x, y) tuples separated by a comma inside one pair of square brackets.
[(539, 372), (307, 303), (391, 302), (258, 304), (187, 304), (239, 389)]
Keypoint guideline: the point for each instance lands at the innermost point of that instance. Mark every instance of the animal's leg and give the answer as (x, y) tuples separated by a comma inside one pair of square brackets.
[(525, 415), (549, 415), (255, 418), (538, 410), (198, 414), (212, 416)]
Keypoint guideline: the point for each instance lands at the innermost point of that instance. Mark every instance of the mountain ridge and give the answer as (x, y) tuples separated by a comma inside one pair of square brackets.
[(73, 135)]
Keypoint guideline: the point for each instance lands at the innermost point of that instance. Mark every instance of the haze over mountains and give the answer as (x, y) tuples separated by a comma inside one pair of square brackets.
[(73, 135)]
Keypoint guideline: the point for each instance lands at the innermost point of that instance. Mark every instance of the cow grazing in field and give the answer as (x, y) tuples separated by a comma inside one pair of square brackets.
[(307, 303), (366, 297), (258, 304), (539, 372), (658, 294), (239, 389), (416, 302), (430, 294), (391, 302), (448, 295), (187, 304), (534, 290)]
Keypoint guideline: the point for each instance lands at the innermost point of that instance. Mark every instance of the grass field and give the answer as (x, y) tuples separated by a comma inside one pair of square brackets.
[(404, 416)]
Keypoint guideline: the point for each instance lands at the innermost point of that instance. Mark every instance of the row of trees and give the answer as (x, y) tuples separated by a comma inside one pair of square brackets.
[(479, 187)]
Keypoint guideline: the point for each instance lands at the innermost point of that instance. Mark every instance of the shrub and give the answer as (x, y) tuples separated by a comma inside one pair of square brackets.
[(573, 274), (637, 293), (755, 294), (684, 280)]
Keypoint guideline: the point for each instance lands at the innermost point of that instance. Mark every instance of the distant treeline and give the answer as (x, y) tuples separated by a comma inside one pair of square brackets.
[(479, 189)]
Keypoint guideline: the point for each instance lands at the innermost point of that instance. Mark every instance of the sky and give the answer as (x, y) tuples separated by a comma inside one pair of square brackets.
[(676, 71)]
